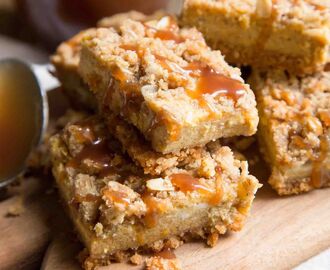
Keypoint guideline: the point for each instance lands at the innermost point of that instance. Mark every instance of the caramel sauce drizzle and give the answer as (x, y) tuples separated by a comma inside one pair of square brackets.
[(116, 196), (209, 82), (97, 150), (186, 183), (154, 208), (167, 34), (319, 174), (85, 134), (216, 84)]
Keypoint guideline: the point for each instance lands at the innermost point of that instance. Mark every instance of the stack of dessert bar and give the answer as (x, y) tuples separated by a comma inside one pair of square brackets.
[(146, 170), (287, 43)]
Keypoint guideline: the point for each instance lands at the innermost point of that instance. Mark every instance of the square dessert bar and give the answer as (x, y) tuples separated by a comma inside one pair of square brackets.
[(168, 83), (116, 207), (294, 129), (288, 34)]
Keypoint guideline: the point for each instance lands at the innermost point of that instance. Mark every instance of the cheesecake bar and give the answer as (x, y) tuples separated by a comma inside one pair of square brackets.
[(287, 34), (168, 83), (67, 56), (116, 207), (294, 129)]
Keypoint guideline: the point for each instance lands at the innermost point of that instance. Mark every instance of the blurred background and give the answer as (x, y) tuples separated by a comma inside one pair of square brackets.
[(43, 24)]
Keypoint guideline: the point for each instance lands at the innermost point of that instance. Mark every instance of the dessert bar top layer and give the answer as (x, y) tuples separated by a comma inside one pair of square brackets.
[(295, 122), (167, 82), (67, 54), (290, 34), (297, 110), (312, 13), (109, 189)]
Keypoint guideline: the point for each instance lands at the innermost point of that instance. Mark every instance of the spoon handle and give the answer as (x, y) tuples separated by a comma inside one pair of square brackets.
[(46, 80)]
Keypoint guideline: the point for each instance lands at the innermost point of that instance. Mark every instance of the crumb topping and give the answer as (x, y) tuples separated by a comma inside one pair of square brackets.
[(165, 61), (307, 13), (296, 111), (108, 189)]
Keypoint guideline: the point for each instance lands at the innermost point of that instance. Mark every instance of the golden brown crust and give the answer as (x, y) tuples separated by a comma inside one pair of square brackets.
[(148, 66), (117, 20), (109, 197), (294, 128), (293, 35)]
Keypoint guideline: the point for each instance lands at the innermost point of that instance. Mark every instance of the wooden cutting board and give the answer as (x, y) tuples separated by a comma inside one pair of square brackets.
[(281, 233)]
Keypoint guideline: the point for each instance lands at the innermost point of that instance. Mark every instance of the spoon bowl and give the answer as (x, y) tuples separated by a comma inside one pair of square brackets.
[(23, 117)]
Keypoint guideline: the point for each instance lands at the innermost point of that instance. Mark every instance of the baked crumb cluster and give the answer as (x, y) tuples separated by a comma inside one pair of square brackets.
[(294, 117)]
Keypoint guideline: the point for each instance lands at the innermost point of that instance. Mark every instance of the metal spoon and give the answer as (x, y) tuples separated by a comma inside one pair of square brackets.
[(23, 114)]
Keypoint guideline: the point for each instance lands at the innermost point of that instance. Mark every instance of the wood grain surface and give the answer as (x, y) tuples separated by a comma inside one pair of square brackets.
[(281, 233), (24, 228)]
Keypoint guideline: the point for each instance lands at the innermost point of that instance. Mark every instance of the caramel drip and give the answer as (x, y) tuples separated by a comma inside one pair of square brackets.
[(154, 208), (133, 47), (118, 74), (209, 82), (216, 84), (116, 196), (97, 152), (187, 183), (319, 174), (170, 33), (85, 135)]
